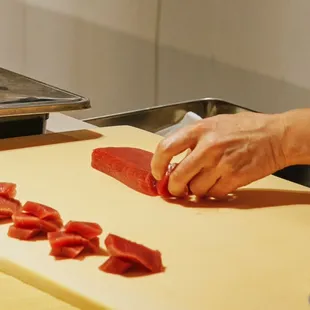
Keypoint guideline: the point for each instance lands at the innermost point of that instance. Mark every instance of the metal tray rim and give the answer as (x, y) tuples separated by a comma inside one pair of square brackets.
[(72, 102), (192, 101)]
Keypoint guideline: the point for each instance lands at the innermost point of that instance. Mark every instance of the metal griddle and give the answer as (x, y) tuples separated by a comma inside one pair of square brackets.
[(25, 104)]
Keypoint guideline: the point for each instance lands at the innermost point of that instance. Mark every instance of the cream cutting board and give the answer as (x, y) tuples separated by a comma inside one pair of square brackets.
[(251, 253)]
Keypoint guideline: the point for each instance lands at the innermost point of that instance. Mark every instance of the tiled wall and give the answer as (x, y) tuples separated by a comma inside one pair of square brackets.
[(255, 54)]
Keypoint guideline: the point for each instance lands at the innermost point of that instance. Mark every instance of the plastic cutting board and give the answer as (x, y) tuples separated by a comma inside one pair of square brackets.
[(250, 253)]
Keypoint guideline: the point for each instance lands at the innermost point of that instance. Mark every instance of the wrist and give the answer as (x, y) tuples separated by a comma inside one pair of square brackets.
[(296, 136)]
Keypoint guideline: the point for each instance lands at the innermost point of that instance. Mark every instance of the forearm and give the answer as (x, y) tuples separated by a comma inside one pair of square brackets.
[(296, 137)]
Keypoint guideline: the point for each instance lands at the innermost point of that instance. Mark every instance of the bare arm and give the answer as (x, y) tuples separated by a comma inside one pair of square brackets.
[(231, 151)]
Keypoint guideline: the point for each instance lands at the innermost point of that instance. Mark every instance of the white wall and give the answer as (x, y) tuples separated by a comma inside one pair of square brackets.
[(254, 53), (101, 49), (11, 35)]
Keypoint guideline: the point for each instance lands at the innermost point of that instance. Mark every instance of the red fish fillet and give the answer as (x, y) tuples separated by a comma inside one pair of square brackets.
[(22, 233), (8, 206), (87, 230), (7, 189), (131, 166), (134, 252), (22, 220), (68, 252), (115, 265), (41, 211)]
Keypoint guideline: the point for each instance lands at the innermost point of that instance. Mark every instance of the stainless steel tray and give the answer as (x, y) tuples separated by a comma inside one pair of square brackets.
[(21, 95), (157, 118), (160, 117)]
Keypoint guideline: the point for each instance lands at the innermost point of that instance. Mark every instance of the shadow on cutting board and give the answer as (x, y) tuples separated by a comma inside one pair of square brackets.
[(48, 139), (250, 199)]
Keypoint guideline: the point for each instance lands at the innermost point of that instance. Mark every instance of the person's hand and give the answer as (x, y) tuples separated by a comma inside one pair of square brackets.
[(227, 152)]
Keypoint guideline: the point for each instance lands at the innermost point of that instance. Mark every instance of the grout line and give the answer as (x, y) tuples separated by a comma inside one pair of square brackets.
[(156, 60)]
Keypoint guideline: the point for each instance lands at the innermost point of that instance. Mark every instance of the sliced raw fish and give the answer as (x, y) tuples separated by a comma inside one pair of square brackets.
[(115, 265), (7, 189), (51, 225), (8, 206), (62, 239), (88, 230), (22, 233), (93, 245), (130, 166), (41, 211), (134, 252), (22, 220), (69, 252)]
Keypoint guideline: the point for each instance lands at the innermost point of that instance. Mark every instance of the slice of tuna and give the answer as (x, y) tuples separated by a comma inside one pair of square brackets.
[(88, 230), (41, 211), (115, 265), (7, 189), (22, 233), (68, 252), (8, 206), (93, 246), (51, 225), (134, 252), (61, 239), (22, 220), (130, 166)]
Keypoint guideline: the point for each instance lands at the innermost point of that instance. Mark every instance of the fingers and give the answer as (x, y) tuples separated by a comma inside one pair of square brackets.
[(223, 187), (203, 181), (169, 147), (185, 171)]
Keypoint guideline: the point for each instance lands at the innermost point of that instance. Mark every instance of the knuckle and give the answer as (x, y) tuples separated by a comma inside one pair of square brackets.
[(163, 146)]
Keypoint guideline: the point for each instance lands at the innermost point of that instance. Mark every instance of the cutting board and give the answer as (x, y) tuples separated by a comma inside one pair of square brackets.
[(249, 253)]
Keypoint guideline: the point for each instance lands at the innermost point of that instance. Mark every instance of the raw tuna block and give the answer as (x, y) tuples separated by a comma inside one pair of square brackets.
[(131, 166), (134, 252)]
